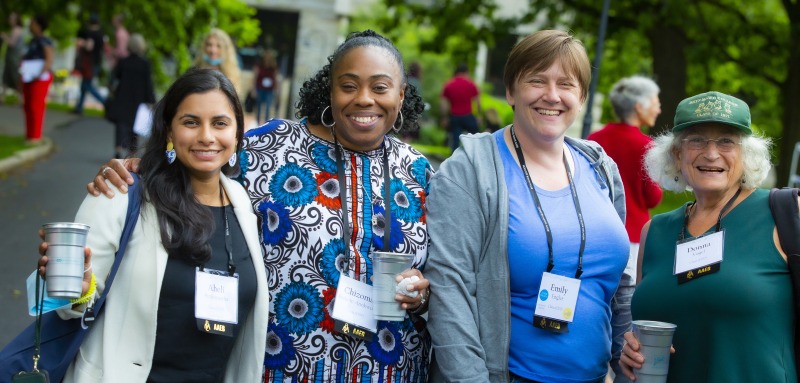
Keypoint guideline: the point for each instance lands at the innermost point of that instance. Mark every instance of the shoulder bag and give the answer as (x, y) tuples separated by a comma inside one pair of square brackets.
[(48, 346), (783, 204)]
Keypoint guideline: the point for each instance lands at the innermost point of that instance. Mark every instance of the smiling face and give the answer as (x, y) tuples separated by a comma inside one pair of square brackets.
[(711, 170), (367, 93), (546, 103), (203, 133), (213, 47)]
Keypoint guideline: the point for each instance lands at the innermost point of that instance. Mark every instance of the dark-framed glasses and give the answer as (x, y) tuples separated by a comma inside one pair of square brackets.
[(724, 144)]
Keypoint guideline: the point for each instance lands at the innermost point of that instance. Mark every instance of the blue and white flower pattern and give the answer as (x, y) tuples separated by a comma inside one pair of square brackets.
[(276, 223), (293, 185), (291, 177), (298, 306)]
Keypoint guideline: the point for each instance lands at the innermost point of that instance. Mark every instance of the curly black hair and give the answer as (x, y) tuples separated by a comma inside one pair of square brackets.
[(315, 95)]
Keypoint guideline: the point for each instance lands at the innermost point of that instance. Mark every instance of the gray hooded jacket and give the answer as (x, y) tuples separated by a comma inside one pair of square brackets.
[(467, 217)]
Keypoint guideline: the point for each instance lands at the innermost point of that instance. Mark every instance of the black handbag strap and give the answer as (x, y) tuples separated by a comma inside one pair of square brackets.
[(134, 205), (91, 313), (783, 203), (784, 207)]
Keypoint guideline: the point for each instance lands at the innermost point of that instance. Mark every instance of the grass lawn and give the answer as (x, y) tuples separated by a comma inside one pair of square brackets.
[(10, 145)]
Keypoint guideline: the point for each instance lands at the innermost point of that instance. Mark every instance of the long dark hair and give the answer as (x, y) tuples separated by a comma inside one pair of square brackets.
[(315, 95), (186, 225)]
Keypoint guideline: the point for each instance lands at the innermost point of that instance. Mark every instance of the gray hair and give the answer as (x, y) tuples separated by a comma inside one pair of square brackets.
[(662, 164), (136, 44), (628, 92)]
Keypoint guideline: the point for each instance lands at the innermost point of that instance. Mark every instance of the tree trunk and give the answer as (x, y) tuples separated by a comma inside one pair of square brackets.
[(790, 93), (669, 66)]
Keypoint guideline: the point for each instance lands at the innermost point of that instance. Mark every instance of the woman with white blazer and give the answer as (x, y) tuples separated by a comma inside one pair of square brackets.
[(196, 229)]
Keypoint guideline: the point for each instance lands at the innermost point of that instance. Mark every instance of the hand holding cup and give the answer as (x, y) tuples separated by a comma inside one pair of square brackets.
[(44, 259)]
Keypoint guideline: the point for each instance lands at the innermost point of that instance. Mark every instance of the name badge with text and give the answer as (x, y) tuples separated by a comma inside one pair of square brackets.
[(216, 301), (699, 256), (353, 309), (556, 301)]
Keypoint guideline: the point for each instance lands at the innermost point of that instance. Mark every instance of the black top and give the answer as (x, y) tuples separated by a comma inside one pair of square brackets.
[(134, 86), (182, 352), (36, 48), (99, 42)]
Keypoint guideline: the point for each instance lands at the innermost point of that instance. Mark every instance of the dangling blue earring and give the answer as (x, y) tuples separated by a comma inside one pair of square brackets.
[(232, 160), (170, 153)]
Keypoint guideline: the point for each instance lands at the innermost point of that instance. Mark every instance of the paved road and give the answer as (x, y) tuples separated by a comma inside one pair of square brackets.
[(48, 190)]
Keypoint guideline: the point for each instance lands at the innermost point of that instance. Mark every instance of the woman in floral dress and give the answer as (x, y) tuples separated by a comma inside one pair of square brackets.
[(290, 170)]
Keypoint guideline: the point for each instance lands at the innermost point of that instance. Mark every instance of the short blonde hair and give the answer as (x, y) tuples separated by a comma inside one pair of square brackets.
[(662, 165)]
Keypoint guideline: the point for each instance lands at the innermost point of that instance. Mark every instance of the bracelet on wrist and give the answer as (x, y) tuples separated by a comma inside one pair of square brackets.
[(423, 303), (89, 293)]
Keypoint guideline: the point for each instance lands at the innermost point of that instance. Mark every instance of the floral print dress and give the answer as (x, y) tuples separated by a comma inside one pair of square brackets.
[(291, 176)]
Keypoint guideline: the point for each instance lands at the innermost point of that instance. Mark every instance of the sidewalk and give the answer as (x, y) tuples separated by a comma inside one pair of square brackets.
[(12, 123)]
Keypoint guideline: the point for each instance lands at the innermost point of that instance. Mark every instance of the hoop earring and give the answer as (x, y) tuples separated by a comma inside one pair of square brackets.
[(396, 128), (322, 118), (170, 153)]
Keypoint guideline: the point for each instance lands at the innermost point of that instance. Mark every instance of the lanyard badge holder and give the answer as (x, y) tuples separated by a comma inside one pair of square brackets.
[(216, 295), (353, 313), (558, 295), (700, 256)]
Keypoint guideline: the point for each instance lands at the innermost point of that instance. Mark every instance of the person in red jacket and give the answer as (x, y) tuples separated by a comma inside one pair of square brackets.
[(456, 105), (636, 104)]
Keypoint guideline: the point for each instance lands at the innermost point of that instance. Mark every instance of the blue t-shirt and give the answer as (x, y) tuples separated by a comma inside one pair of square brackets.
[(582, 354)]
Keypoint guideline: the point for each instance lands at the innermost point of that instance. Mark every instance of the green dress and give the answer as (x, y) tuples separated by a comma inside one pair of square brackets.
[(735, 325)]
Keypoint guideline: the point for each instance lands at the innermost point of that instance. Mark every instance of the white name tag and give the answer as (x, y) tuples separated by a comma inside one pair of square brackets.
[(557, 298), (698, 252), (354, 303), (216, 296)]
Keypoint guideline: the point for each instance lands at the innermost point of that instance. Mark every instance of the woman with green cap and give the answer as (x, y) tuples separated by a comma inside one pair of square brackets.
[(714, 267)]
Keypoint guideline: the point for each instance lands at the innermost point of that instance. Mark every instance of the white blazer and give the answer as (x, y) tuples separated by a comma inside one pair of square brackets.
[(123, 352)]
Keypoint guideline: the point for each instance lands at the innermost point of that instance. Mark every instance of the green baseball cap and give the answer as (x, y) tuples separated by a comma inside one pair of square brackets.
[(713, 107)]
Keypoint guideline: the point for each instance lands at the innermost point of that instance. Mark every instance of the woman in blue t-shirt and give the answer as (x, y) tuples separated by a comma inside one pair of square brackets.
[(527, 236)]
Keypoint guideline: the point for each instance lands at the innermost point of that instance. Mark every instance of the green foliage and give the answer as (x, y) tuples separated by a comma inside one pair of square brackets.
[(171, 28), (504, 110), (432, 135)]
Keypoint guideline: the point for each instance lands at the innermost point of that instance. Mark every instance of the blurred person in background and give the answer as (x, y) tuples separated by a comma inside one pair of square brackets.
[(134, 86), (90, 44), (15, 48), (218, 52), (120, 48), (265, 85), (36, 79), (636, 104), (455, 105)]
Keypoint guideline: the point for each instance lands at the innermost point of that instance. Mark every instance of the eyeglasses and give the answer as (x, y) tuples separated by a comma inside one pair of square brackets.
[(724, 144)]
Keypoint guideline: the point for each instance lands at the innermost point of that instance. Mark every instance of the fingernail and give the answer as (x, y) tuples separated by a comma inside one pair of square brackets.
[(409, 287), (124, 188)]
